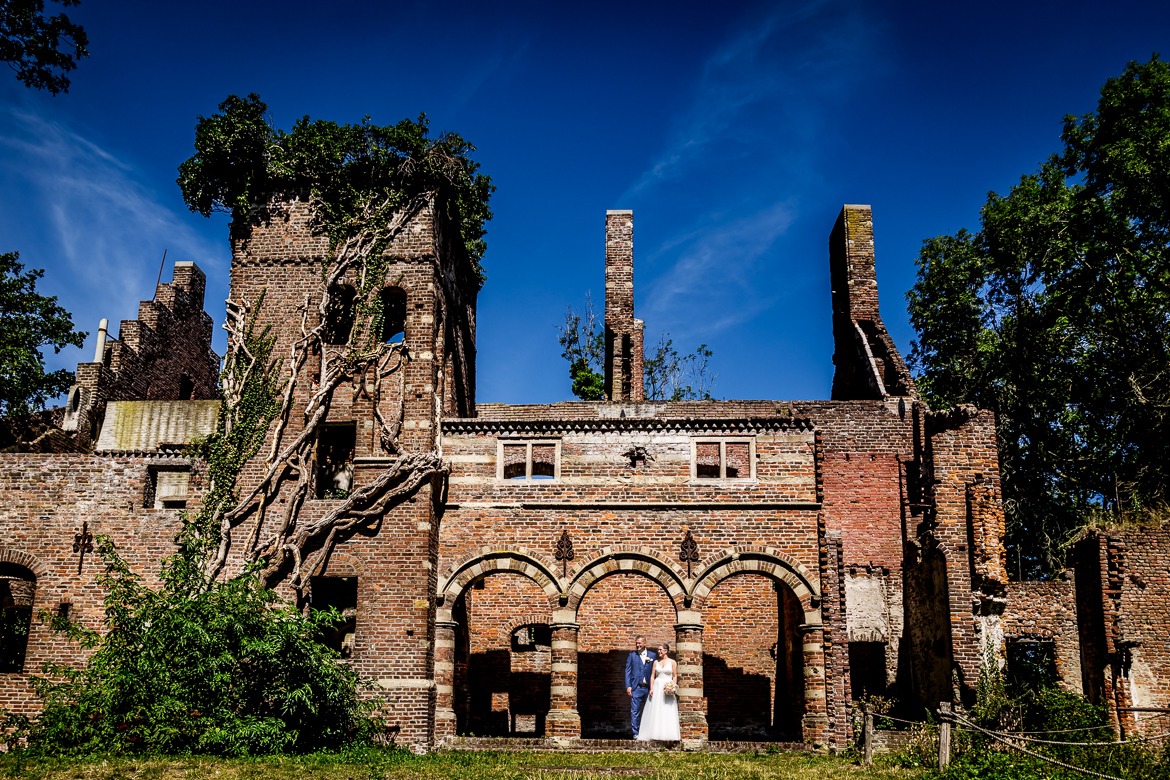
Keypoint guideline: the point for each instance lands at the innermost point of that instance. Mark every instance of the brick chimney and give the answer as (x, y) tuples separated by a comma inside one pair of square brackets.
[(623, 333), (868, 364)]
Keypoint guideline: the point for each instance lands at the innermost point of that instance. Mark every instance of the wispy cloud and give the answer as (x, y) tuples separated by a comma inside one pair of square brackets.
[(772, 77), (715, 271), (106, 228), (750, 136)]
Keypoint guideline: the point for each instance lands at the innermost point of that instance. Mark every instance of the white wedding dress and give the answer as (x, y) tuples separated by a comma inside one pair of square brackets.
[(660, 716)]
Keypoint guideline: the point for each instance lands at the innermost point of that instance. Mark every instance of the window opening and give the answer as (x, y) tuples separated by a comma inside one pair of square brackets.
[(723, 459), (166, 487), (186, 388), (867, 669), (339, 314), (529, 460), (1031, 664), (339, 593), (335, 447), (527, 639), (393, 314), (18, 588)]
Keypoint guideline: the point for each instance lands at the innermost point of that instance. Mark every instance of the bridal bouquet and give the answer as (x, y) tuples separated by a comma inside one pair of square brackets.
[(670, 689)]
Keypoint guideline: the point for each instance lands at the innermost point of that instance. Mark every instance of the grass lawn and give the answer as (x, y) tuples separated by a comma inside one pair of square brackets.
[(399, 765)]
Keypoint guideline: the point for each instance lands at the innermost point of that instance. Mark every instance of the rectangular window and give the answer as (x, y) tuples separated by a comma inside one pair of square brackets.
[(166, 487), (335, 446), (528, 460), (340, 593), (723, 459)]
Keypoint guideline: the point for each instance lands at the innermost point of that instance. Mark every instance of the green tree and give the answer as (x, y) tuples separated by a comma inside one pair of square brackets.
[(1055, 315), (583, 346), (41, 49), (357, 176), (29, 322), (667, 375)]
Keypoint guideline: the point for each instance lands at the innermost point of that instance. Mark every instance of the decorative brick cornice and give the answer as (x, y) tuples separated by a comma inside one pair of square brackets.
[(699, 426)]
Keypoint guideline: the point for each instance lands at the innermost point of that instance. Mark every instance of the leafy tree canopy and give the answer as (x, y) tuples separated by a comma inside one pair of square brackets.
[(353, 173), (1056, 314), (667, 375), (28, 323), (41, 49)]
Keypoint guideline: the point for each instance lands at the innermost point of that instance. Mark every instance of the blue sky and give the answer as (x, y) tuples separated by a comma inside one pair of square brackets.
[(735, 132)]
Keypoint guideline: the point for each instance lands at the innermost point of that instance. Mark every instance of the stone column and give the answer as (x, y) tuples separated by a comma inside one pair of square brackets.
[(563, 718), (692, 705), (815, 724), (444, 674)]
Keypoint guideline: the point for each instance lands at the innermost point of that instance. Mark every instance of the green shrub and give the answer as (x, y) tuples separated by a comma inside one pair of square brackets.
[(224, 669)]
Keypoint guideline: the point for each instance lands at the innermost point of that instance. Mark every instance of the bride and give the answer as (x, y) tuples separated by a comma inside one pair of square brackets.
[(660, 718)]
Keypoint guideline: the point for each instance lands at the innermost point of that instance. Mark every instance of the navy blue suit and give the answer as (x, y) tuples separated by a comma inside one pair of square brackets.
[(638, 681)]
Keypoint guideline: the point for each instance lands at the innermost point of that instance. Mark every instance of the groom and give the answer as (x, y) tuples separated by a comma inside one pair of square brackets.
[(638, 666)]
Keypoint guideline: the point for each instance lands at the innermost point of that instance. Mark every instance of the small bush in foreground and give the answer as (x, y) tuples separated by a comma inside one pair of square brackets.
[(219, 668)]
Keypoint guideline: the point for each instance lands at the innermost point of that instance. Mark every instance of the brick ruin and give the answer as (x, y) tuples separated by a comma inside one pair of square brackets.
[(797, 555)]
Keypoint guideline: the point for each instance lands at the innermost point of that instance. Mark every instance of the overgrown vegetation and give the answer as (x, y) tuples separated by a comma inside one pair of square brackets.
[(667, 375), (210, 661), (225, 669), (364, 183), (1036, 728), (1054, 314)]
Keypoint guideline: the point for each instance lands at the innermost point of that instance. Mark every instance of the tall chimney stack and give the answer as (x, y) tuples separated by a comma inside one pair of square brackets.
[(623, 333)]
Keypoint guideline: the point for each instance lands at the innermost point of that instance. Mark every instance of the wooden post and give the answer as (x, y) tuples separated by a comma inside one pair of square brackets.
[(867, 736), (944, 734)]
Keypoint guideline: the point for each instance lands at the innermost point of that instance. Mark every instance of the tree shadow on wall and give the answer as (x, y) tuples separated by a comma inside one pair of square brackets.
[(503, 703), (601, 695)]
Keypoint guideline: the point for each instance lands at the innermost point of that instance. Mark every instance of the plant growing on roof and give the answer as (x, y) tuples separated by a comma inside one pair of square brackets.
[(364, 183)]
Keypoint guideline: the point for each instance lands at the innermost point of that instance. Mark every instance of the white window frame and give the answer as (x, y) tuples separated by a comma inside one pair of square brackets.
[(723, 441), (500, 443)]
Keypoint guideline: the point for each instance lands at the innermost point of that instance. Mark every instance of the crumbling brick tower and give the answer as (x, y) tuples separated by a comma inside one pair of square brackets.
[(383, 576), (945, 467)]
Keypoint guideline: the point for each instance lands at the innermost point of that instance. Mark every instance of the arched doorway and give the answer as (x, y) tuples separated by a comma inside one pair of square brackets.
[(753, 661), (503, 657), (18, 587), (612, 612)]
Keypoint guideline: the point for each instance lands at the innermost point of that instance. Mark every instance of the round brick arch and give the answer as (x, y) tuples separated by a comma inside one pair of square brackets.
[(523, 562), (755, 560), (631, 560), (21, 558)]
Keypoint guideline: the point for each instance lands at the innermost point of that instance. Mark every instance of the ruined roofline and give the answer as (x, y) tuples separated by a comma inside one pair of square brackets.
[(713, 425)]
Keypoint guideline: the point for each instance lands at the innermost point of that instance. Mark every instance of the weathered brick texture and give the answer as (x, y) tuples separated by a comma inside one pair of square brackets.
[(761, 539)]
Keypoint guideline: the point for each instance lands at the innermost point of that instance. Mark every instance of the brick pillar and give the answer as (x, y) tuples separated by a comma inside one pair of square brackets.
[(563, 719), (692, 705), (444, 675), (815, 724)]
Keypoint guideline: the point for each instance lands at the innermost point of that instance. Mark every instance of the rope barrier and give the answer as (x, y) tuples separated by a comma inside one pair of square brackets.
[(898, 720), (1020, 735), (1034, 754), (1067, 731)]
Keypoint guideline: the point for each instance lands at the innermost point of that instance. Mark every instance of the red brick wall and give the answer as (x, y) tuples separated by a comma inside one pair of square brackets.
[(613, 612)]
